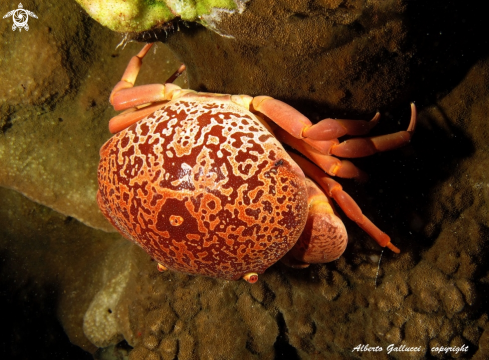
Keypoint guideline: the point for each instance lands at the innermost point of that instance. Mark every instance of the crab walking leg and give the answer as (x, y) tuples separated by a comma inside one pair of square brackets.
[(130, 116), (125, 95), (139, 101), (360, 147), (347, 204), (300, 126), (323, 146), (330, 164), (128, 78), (176, 74), (327, 128)]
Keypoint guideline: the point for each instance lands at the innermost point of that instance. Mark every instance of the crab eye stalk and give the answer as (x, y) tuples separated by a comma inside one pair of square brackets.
[(161, 268), (251, 277)]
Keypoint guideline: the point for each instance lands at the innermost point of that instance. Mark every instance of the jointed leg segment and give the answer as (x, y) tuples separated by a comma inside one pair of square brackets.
[(322, 136), (300, 126), (330, 164), (360, 147), (135, 100), (347, 204), (320, 151)]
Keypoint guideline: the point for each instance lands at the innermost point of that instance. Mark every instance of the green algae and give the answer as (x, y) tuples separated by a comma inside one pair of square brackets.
[(143, 15)]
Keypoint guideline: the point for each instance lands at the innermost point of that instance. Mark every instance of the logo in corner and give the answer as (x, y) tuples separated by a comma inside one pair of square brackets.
[(20, 18)]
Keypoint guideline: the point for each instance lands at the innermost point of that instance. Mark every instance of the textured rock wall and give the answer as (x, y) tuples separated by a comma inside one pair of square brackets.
[(54, 105)]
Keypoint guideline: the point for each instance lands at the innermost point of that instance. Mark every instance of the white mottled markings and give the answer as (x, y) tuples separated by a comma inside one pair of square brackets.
[(204, 188)]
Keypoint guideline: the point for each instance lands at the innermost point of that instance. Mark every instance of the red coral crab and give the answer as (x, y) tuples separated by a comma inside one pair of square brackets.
[(202, 183)]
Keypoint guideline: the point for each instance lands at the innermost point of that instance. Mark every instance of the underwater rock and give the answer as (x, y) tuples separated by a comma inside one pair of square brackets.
[(53, 117), (322, 57), (100, 322), (351, 58), (61, 256)]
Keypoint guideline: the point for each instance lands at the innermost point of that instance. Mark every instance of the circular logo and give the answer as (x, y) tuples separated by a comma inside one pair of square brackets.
[(20, 17)]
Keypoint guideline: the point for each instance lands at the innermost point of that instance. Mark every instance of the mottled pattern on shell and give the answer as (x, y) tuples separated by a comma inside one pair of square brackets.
[(204, 188)]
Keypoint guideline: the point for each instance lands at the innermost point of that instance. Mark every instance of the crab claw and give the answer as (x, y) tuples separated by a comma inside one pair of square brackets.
[(324, 237)]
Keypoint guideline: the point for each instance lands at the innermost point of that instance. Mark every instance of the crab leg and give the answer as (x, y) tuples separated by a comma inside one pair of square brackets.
[(330, 164), (130, 116), (126, 96), (176, 74), (133, 96), (300, 126), (360, 147), (128, 80), (345, 201)]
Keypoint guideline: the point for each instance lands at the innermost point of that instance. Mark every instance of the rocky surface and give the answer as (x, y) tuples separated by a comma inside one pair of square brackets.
[(325, 55), (432, 197), (54, 109), (333, 58)]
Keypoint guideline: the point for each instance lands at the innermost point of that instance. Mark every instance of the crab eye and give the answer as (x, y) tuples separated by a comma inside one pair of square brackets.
[(251, 278)]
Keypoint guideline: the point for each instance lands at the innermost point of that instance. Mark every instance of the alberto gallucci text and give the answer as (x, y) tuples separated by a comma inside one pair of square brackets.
[(390, 348)]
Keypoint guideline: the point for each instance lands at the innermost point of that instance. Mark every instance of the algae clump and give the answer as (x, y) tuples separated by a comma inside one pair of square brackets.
[(143, 15)]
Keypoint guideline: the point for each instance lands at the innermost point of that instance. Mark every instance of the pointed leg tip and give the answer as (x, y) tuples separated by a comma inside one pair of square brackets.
[(144, 50), (393, 248), (375, 119), (412, 123)]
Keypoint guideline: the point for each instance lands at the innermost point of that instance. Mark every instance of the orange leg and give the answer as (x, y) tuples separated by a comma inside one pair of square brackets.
[(347, 204), (322, 135), (130, 116), (125, 96), (360, 147), (128, 79), (300, 126), (330, 164)]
